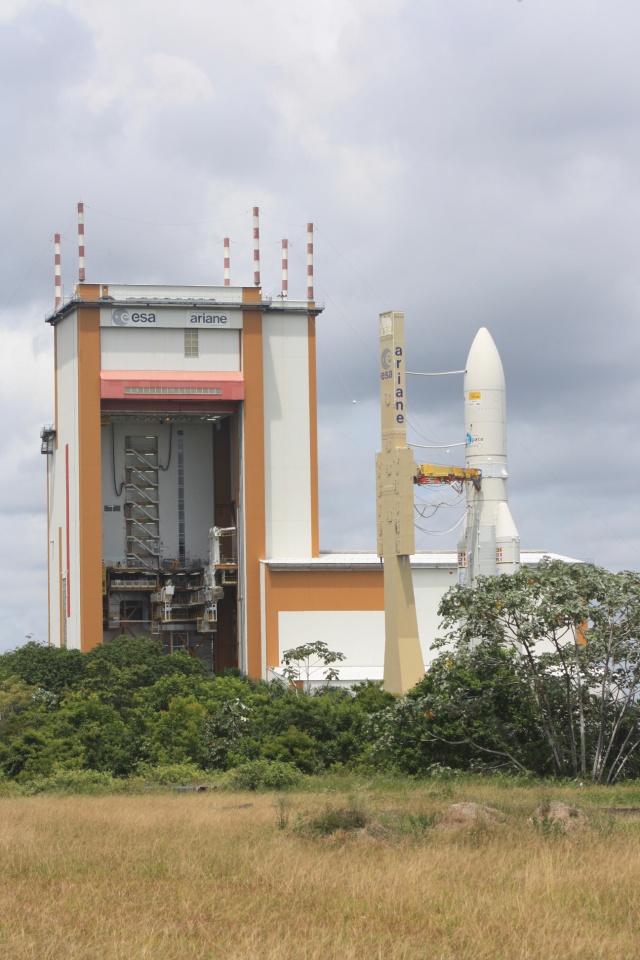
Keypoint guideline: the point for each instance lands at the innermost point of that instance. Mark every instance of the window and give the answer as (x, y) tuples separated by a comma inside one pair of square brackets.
[(191, 343)]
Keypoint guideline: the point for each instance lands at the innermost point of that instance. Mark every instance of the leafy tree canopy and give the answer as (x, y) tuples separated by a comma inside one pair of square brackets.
[(575, 630)]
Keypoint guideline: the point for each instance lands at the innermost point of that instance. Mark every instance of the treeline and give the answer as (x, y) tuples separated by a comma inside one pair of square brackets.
[(126, 706), (540, 673)]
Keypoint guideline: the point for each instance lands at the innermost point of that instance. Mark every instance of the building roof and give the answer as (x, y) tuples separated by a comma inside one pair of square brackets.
[(427, 559)]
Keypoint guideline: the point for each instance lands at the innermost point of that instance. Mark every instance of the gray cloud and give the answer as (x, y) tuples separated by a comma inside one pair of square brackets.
[(471, 164)]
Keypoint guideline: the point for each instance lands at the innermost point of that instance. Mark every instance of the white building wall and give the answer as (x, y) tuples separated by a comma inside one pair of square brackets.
[(359, 634), (287, 435), (163, 349), (53, 482), (67, 433), (429, 586)]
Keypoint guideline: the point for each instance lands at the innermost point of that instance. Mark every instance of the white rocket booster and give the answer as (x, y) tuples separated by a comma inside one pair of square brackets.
[(489, 543)]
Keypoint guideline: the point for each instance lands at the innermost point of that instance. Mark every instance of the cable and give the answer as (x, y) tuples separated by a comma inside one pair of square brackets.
[(285, 223), (443, 373), (375, 293), (160, 467), (415, 430), (152, 223), (436, 506), (442, 503), (436, 446), (440, 533), (113, 461)]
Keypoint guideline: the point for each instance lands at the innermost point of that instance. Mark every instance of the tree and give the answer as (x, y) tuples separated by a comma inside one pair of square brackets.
[(471, 710), (52, 668), (301, 663), (576, 631)]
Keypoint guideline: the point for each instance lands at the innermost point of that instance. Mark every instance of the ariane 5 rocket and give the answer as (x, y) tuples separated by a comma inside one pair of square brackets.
[(489, 543)]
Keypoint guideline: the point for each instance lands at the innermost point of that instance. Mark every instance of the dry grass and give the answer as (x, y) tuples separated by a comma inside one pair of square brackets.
[(171, 877)]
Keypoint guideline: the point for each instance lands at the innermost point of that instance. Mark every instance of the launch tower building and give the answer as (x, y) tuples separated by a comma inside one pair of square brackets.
[(183, 454)]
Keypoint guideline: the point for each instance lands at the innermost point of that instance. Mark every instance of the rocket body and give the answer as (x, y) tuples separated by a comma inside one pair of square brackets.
[(489, 543)]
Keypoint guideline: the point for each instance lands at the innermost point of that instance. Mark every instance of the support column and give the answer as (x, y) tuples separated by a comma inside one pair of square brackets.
[(395, 469)]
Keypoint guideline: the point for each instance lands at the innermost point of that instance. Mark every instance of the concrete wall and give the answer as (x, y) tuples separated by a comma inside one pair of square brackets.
[(287, 477), (359, 634), (163, 349)]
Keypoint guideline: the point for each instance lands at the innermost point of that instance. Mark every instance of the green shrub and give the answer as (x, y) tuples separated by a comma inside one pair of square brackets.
[(170, 774), (75, 781), (410, 825), (263, 774), (332, 819)]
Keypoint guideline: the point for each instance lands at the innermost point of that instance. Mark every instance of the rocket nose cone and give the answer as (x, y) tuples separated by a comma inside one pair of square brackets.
[(484, 367)]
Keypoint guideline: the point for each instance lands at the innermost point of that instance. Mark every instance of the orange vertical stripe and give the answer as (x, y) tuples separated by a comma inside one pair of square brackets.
[(254, 470), (89, 479)]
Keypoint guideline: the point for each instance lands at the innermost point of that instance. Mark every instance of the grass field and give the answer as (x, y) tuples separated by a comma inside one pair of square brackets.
[(284, 877)]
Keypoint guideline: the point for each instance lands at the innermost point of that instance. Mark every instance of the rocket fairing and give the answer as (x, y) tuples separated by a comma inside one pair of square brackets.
[(489, 543)]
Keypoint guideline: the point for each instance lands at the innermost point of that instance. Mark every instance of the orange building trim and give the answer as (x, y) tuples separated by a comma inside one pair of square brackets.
[(114, 384), (253, 480), (91, 291), (89, 478)]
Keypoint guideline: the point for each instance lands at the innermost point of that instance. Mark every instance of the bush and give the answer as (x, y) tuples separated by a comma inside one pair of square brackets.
[(263, 774), (170, 774), (332, 819), (75, 781)]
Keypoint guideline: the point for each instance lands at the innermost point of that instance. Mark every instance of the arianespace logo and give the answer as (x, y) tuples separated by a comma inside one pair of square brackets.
[(123, 318), (212, 318)]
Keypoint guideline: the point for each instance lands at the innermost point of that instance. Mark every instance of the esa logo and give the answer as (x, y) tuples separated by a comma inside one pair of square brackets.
[(385, 359), (122, 318)]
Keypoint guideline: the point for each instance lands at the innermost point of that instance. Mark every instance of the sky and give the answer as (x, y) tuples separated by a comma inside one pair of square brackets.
[(469, 162)]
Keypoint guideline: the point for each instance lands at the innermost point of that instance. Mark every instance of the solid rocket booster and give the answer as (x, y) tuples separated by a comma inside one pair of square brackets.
[(489, 543)]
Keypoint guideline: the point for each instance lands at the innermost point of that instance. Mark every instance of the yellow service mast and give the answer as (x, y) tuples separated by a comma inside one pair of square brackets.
[(396, 473)]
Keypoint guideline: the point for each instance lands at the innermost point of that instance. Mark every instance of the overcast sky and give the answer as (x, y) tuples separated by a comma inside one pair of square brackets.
[(471, 162)]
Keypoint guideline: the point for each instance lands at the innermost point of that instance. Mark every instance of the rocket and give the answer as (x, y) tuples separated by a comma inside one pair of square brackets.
[(489, 543)]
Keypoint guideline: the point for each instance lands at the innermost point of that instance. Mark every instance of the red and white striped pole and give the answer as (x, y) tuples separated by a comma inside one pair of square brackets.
[(285, 269), (227, 263), (256, 247), (309, 261), (81, 242), (58, 272)]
